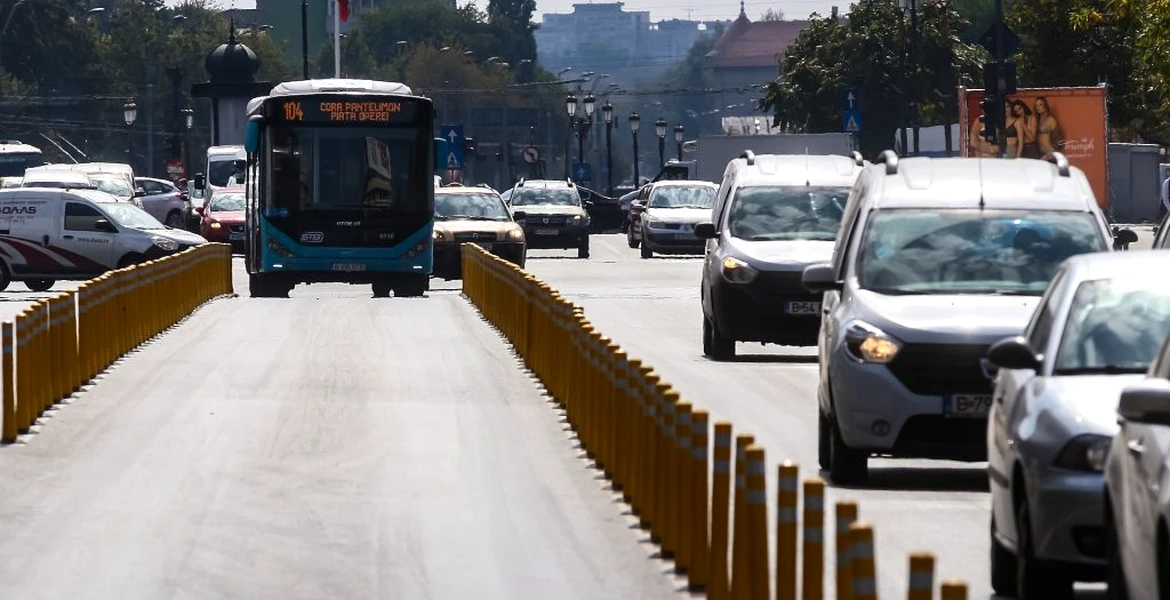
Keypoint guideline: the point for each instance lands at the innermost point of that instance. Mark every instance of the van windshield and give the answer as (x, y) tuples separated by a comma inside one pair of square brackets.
[(220, 171), (776, 212), (971, 251), (130, 216)]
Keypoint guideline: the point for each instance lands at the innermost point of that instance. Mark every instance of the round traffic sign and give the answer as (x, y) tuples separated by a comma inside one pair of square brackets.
[(176, 168), (531, 155)]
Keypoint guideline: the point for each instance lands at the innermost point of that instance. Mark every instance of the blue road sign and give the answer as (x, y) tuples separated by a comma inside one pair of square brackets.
[(851, 111), (583, 172), (453, 135)]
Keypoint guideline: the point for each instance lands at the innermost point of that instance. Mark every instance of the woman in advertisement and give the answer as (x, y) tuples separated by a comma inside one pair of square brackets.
[(1049, 137), (1021, 131)]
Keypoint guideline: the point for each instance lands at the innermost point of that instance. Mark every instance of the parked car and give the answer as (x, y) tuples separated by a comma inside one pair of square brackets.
[(164, 201), (1053, 415)]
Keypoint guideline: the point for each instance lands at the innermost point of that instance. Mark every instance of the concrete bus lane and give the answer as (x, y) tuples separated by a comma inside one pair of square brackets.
[(651, 308), (327, 445)]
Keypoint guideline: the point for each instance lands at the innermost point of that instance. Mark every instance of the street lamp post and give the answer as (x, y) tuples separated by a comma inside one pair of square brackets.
[(912, 70), (580, 125), (188, 122), (129, 115), (678, 139), (660, 129), (607, 115), (635, 124)]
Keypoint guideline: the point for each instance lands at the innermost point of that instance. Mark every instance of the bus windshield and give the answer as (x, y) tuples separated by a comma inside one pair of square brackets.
[(346, 169)]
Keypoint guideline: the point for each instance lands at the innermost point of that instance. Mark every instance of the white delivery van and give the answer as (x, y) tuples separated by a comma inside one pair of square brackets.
[(221, 171), (55, 176), (48, 234)]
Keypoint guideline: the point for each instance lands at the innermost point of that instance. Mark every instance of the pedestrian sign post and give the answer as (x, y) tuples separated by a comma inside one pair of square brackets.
[(583, 172), (851, 112), (453, 135)]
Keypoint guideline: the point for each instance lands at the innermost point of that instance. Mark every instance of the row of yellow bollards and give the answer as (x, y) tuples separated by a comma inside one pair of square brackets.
[(707, 512), (58, 344)]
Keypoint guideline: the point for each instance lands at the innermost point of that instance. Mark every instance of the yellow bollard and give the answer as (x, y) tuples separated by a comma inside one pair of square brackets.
[(717, 588), (740, 585), (72, 333), (846, 516), (953, 589), (813, 552), (632, 490), (44, 390), (787, 503), (864, 567), (619, 453), (53, 351), (667, 494), (921, 576), (8, 413), (683, 493), (699, 567), (650, 438), (757, 507), (23, 359)]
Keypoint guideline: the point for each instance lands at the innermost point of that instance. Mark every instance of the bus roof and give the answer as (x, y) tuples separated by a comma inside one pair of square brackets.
[(331, 86)]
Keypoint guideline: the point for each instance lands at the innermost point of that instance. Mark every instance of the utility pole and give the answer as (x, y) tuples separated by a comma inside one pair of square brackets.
[(1000, 80), (915, 61), (305, 38)]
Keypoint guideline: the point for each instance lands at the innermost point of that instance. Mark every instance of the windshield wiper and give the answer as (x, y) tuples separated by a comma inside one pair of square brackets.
[(1102, 370)]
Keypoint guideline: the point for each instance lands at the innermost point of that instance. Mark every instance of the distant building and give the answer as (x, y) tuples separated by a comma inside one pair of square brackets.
[(745, 58)]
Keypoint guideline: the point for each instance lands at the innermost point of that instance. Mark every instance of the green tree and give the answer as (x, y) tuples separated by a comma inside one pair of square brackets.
[(806, 97), (513, 19), (772, 14)]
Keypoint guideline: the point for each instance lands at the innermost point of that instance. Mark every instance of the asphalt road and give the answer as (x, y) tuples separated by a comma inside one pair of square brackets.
[(651, 308), (326, 445)]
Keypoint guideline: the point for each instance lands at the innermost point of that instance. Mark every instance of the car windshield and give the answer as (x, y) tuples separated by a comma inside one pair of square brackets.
[(971, 251), (774, 212), (546, 197), (115, 187), (219, 171), (128, 215), (1114, 326), (474, 206), (678, 196), (227, 202)]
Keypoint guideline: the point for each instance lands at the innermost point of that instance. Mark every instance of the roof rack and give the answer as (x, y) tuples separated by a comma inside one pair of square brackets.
[(1061, 162), (890, 159), (858, 159), (749, 156)]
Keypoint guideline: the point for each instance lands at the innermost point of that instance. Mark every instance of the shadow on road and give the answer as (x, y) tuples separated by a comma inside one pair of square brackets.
[(903, 479), (791, 359)]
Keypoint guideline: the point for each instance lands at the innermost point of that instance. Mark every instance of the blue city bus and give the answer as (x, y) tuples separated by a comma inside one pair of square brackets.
[(339, 186)]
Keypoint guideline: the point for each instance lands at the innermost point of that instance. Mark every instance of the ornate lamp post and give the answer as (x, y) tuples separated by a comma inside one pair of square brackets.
[(660, 129), (678, 139), (129, 115), (580, 125), (635, 125), (607, 115)]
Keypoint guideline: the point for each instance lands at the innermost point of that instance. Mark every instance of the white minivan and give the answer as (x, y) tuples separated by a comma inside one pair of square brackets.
[(51, 234)]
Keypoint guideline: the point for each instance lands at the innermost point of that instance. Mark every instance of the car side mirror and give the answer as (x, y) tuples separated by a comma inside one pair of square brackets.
[(105, 226), (706, 231), (821, 278), (139, 192), (199, 210), (200, 182), (1146, 402), (1014, 353), (519, 216), (1124, 236), (588, 204)]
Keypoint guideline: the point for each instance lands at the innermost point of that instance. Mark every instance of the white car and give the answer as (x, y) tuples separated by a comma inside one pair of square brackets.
[(664, 218), (1137, 489)]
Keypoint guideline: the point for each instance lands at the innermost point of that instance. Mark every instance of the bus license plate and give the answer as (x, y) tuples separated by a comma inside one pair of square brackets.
[(802, 308), (966, 405), (349, 267), (546, 232)]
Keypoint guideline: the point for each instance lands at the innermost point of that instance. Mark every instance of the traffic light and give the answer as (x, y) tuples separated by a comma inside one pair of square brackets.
[(469, 145), (991, 78), (991, 119)]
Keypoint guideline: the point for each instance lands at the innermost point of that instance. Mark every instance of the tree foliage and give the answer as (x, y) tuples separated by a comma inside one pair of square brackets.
[(814, 75)]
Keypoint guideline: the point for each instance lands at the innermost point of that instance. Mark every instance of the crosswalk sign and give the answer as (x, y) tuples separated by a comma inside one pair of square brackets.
[(453, 135), (852, 120)]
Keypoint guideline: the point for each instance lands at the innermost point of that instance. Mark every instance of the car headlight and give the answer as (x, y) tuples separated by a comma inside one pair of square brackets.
[(437, 236), (215, 225), (870, 344), (576, 219), (655, 223), (165, 243), (515, 234), (1084, 453), (738, 271)]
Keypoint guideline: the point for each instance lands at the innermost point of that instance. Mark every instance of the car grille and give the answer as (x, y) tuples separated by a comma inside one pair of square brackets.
[(236, 228), (938, 369), (551, 220), (781, 284), (475, 236)]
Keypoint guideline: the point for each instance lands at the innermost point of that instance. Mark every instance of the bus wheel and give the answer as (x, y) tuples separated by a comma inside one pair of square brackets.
[(263, 286), (382, 289), (413, 287), (40, 285)]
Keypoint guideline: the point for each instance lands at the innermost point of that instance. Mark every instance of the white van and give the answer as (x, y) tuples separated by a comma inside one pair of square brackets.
[(116, 179), (56, 176), (221, 170), (49, 234)]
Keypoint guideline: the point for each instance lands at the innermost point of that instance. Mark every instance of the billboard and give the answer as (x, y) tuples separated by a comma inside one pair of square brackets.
[(1070, 120)]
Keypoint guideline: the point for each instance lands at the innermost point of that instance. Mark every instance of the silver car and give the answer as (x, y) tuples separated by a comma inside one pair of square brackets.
[(937, 259), (1054, 413), (665, 223)]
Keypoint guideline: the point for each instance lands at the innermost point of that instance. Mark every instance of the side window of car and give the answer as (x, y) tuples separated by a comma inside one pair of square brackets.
[(724, 194), (81, 217), (1160, 239), (846, 234), (1039, 331)]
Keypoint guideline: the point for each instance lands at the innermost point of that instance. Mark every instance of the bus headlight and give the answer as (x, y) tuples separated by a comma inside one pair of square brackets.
[(516, 235), (165, 243)]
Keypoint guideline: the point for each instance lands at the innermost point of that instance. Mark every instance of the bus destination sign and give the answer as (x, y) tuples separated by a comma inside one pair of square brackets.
[(355, 111)]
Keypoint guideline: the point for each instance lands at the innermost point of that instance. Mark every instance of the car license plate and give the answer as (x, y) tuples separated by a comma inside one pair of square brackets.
[(966, 405), (803, 308), (545, 232), (684, 236), (349, 267), (236, 237)]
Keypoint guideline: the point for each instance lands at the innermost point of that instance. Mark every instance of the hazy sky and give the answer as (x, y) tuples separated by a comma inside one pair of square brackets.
[(663, 9)]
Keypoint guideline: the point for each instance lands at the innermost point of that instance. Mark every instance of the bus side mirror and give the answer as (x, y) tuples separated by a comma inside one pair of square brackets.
[(252, 134)]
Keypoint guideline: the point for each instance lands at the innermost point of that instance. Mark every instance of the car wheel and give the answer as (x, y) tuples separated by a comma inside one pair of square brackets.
[(715, 345), (1035, 578), (824, 440), (174, 220), (846, 465), (1003, 567), (646, 251), (633, 243), (129, 260), (40, 285), (5, 277), (1114, 572), (583, 249), (1163, 563)]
